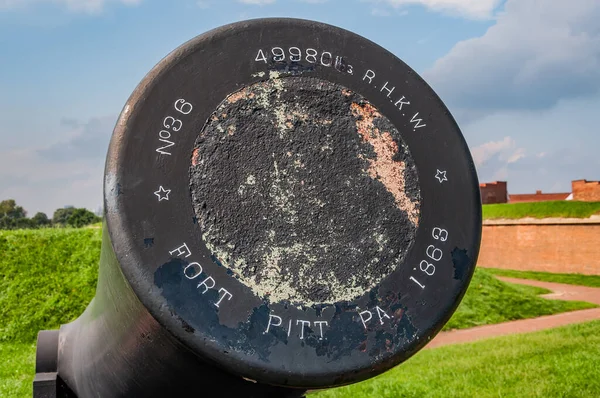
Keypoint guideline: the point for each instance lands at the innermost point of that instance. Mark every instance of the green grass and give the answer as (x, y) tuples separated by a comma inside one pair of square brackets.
[(570, 279), (562, 208), (490, 301), (561, 362), (95, 225), (47, 278), (16, 369)]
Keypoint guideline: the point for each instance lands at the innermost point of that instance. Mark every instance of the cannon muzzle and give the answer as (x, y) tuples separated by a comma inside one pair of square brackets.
[(287, 207)]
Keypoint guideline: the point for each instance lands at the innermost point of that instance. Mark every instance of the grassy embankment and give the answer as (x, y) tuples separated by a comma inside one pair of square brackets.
[(47, 278), (562, 209), (570, 279), (490, 301), (561, 362)]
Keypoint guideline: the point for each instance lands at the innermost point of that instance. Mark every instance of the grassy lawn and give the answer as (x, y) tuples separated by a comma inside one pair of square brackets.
[(571, 279), (96, 225), (17, 366), (562, 362), (560, 208), (48, 276), (490, 301)]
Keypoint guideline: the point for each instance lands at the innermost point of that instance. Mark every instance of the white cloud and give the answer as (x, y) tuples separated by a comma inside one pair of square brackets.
[(484, 152), (87, 6), (68, 172), (473, 9), (538, 149), (494, 158), (257, 2), (519, 153), (85, 140), (380, 12), (501, 174), (39, 185), (534, 55)]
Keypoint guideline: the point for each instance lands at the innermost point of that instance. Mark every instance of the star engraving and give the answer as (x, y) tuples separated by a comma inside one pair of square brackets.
[(441, 176), (163, 194)]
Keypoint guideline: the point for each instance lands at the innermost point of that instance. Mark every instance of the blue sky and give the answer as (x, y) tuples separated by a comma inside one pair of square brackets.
[(522, 78)]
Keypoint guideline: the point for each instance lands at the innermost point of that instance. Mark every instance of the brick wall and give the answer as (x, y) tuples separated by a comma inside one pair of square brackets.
[(588, 191), (493, 192), (538, 196), (561, 248)]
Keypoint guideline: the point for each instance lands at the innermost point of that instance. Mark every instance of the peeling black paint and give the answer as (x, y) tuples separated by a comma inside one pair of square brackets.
[(195, 310), (345, 335), (199, 311), (292, 68), (462, 263)]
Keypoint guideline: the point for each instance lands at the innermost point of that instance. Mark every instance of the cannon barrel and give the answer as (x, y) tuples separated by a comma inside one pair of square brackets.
[(287, 207)]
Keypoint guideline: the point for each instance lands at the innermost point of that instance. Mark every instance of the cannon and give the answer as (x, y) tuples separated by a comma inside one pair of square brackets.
[(287, 207)]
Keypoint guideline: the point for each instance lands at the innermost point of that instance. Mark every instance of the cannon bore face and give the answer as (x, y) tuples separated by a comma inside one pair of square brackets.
[(291, 203), (304, 190)]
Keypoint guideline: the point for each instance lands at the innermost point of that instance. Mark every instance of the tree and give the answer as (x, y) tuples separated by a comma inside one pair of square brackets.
[(9, 208), (40, 220), (7, 223), (82, 217), (12, 216), (61, 216)]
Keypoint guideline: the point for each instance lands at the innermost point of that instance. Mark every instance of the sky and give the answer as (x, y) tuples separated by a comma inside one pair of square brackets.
[(521, 77)]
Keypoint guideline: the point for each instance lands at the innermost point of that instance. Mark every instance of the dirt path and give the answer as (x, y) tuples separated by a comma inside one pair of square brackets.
[(560, 291)]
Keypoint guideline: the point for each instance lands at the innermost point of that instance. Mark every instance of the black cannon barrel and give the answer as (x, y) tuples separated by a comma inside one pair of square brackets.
[(288, 207)]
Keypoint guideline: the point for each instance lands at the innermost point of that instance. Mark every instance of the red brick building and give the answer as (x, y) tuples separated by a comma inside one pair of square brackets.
[(496, 192), (493, 192), (538, 196), (587, 191)]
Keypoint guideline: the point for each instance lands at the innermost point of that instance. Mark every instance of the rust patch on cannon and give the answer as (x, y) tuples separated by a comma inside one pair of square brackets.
[(384, 168)]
